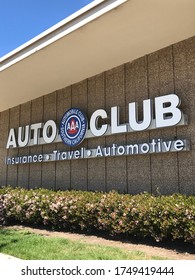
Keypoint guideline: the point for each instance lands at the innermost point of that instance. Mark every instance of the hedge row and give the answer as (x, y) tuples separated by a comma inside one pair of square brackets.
[(142, 215), (2, 215)]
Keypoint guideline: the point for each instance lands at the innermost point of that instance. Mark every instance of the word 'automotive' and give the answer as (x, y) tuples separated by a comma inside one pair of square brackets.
[(74, 124)]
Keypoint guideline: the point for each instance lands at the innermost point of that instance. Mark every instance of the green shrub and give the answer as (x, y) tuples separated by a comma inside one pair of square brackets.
[(141, 215), (2, 212)]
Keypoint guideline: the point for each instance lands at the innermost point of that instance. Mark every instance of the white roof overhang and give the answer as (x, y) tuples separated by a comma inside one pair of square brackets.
[(99, 37)]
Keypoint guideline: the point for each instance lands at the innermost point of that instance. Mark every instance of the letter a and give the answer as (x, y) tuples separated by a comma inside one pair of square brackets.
[(11, 142)]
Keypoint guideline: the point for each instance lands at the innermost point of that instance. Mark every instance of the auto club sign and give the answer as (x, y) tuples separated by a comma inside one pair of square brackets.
[(75, 127)]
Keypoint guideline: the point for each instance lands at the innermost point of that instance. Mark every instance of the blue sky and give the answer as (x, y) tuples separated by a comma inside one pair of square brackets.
[(21, 20)]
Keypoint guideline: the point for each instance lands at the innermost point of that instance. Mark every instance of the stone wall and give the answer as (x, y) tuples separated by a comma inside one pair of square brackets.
[(170, 70)]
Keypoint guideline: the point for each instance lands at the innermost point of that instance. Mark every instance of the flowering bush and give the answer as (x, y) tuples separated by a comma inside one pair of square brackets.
[(2, 212), (140, 215)]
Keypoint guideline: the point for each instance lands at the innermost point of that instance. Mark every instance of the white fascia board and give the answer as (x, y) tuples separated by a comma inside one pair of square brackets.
[(82, 17)]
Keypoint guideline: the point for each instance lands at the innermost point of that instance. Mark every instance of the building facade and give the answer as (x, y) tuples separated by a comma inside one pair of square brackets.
[(116, 163)]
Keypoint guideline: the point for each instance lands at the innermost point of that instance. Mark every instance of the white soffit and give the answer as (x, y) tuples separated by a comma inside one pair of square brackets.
[(99, 37)]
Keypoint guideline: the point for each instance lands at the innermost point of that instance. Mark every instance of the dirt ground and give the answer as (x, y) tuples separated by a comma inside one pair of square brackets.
[(170, 250)]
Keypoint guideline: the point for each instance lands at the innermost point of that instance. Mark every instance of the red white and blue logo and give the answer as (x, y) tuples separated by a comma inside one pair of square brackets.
[(73, 127)]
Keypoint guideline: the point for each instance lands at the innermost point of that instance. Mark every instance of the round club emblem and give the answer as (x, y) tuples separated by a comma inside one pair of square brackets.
[(73, 127)]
